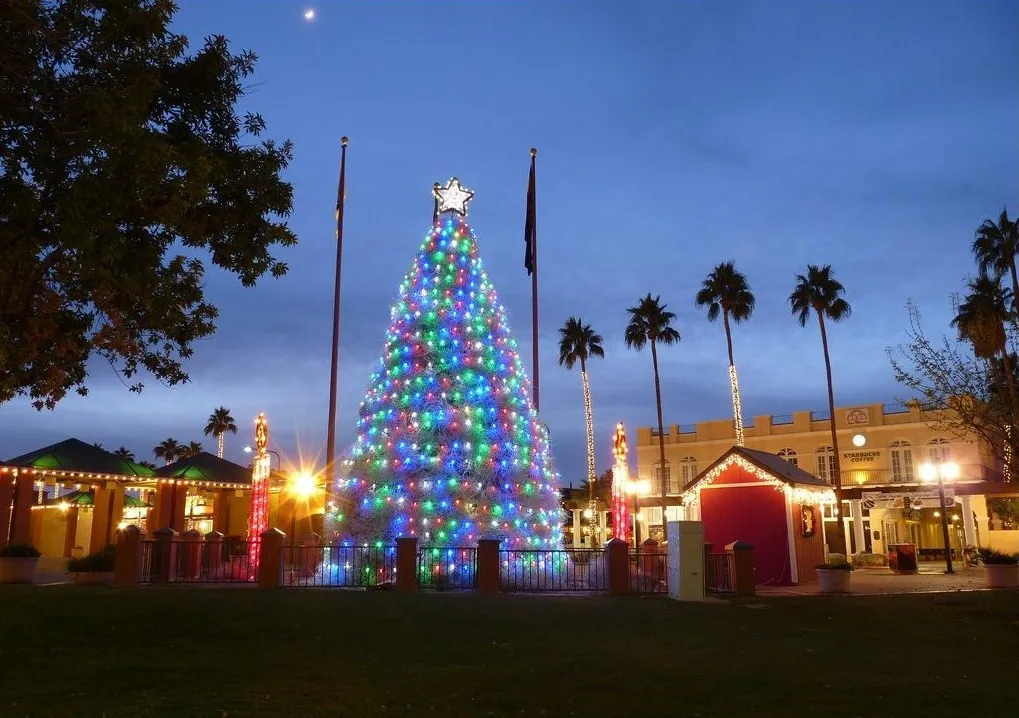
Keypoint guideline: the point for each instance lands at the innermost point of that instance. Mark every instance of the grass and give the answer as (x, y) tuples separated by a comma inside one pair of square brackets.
[(242, 653)]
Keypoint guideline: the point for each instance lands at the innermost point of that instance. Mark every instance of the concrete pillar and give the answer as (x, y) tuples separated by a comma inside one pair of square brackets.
[(488, 566), (858, 536), (107, 512), (742, 568), (129, 557), (617, 553), (270, 559), (164, 555), (21, 512), (578, 529), (406, 564), (6, 501), (192, 547), (969, 524), (221, 511), (71, 531)]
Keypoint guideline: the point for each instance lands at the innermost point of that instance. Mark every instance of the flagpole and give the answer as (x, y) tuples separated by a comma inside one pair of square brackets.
[(534, 281), (341, 196)]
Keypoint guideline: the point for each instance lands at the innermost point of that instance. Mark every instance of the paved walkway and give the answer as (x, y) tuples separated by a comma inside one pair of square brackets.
[(877, 581)]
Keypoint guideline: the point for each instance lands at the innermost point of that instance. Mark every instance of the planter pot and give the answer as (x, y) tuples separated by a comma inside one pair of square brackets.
[(833, 581), (97, 578), (1001, 575), (17, 570)]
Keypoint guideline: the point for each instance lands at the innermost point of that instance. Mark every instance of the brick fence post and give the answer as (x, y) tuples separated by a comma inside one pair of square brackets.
[(129, 557), (617, 553), (192, 554), (488, 566), (270, 559), (214, 553), (164, 555), (406, 564), (742, 568)]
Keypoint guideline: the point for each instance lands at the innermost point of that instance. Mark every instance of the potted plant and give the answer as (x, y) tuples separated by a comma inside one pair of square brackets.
[(1001, 570), (833, 574), (94, 568), (18, 562)]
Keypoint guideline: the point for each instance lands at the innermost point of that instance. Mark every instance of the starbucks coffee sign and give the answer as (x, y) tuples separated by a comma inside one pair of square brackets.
[(856, 458)]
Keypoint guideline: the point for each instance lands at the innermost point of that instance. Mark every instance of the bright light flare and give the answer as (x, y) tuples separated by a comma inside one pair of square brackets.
[(309, 14), (303, 484)]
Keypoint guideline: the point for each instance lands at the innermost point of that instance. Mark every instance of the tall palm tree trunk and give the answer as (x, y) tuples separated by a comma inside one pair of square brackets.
[(591, 477), (661, 436), (840, 535), (737, 408), (220, 441)]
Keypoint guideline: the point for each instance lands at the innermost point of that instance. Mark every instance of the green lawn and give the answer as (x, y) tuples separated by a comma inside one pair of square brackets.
[(94, 651)]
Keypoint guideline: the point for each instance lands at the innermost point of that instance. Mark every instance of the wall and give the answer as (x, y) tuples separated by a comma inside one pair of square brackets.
[(809, 549), (755, 514)]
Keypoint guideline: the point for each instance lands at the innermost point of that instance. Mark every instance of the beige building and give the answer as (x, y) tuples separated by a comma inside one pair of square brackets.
[(884, 499)]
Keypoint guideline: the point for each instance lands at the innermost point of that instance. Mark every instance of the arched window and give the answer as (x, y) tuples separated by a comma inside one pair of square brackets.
[(902, 462), (938, 451), (790, 456), (824, 457), (688, 471)]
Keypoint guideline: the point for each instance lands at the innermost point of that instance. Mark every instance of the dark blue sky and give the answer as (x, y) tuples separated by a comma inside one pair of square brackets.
[(673, 135)]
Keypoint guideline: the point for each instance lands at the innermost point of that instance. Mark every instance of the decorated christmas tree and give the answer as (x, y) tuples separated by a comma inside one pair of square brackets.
[(449, 448)]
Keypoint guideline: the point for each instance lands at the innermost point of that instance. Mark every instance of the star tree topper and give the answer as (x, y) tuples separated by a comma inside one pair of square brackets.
[(453, 197)]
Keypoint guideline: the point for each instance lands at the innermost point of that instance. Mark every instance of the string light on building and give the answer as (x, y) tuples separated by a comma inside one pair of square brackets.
[(737, 405), (798, 494)]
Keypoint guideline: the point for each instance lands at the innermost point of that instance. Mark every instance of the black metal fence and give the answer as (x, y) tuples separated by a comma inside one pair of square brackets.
[(224, 561), (553, 570), (718, 573), (447, 568), (340, 566), (648, 572)]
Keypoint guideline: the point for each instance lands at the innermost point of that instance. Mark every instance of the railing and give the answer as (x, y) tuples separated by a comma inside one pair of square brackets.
[(197, 561), (718, 576), (339, 566), (820, 415), (648, 572), (781, 419), (553, 570), (447, 568)]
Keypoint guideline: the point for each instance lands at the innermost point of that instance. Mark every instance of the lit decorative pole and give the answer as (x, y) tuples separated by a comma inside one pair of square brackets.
[(258, 512), (737, 405), (620, 480)]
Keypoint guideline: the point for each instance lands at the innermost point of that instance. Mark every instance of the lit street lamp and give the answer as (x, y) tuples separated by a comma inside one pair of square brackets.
[(301, 487), (279, 459), (940, 472), (634, 489)]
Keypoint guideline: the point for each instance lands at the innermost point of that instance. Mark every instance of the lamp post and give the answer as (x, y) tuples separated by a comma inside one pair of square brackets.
[(279, 459), (634, 489), (941, 471)]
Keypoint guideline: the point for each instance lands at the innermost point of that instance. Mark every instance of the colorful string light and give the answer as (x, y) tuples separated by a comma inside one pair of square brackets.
[(449, 448), (620, 479)]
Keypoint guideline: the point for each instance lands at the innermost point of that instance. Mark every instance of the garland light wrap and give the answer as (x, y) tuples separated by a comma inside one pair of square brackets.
[(258, 514), (449, 448), (620, 480), (798, 494), (737, 405)]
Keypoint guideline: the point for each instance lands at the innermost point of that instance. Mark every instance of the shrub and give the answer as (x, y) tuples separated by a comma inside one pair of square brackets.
[(20, 550), (870, 560), (993, 557), (835, 562), (100, 562)]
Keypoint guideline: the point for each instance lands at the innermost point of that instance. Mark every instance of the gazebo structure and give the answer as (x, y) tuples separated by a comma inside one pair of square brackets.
[(760, 498), (86, 489)]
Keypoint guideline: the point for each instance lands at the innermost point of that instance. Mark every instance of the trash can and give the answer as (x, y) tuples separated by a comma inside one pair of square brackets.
[(902, 557)]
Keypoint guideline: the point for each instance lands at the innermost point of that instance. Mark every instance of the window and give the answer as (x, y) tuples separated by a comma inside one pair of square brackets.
[(656, 481), (653, 514), (902, 462), (938, 451), (790, 456), (825, 458), (688, 472)]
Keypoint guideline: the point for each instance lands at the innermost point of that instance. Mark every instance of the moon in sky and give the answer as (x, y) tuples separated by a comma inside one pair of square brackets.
[(309, 14)]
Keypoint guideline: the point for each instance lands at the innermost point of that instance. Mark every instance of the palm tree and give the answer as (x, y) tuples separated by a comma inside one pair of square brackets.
[(820, 293), (726, 292), (650, 323), (995, 247), (146, 464), (578, 342), (219, 423), (168, 450), (124, 453), (981, 320), (191, 449)]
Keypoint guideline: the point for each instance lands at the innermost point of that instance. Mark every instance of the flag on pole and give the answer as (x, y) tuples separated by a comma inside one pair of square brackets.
[(530, 221)]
